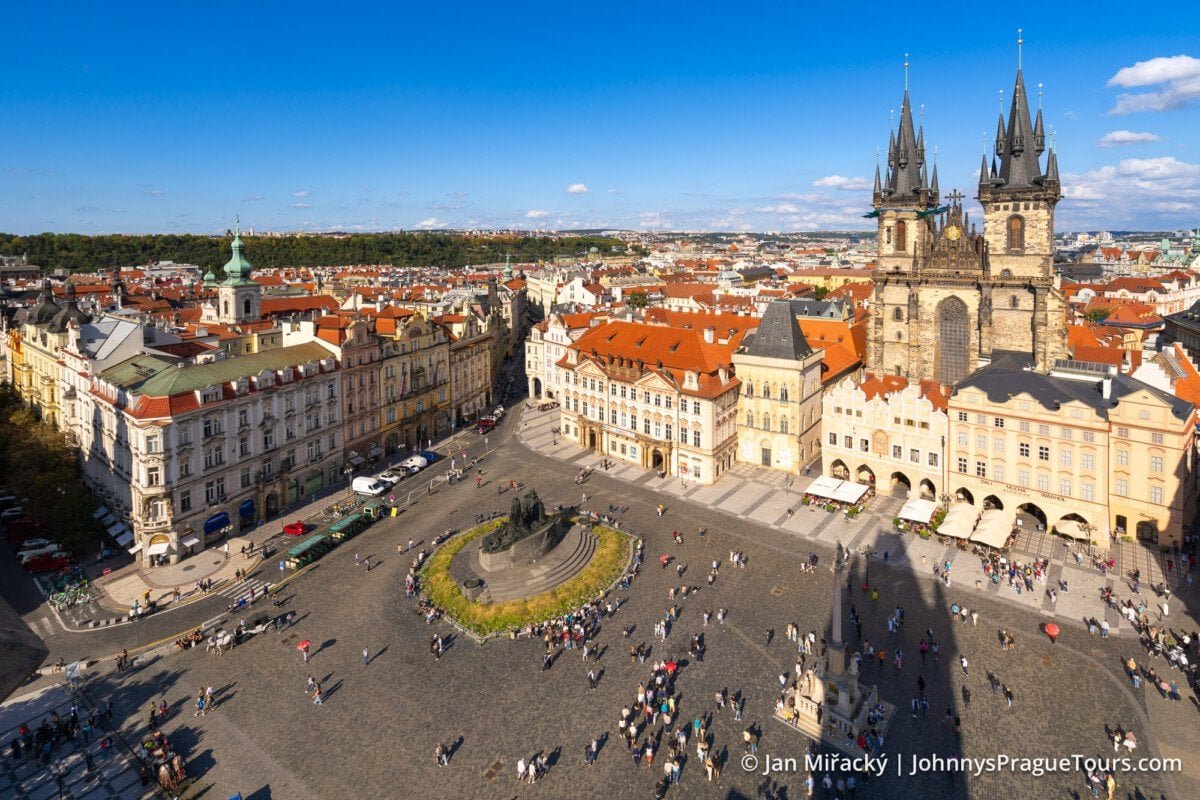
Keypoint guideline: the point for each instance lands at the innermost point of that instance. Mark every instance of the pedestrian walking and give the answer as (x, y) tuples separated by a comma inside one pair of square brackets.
[(962, 660), (1008, 695), (366, 656), (318, 696), (309, 686)]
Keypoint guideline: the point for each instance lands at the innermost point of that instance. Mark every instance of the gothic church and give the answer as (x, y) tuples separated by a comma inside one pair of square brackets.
[(947, 298)]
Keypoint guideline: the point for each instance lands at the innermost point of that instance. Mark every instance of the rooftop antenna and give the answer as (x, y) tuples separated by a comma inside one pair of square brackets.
[(1001, 101), (983, 143), (922, 112), (906, 72), (1039, 96), (877, 156), (1020, 41)]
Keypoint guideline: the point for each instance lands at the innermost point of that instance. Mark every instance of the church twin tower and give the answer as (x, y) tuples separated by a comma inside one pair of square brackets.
[(948, 299)]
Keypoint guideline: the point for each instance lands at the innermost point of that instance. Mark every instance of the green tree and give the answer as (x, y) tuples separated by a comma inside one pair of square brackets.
[(636, 300)]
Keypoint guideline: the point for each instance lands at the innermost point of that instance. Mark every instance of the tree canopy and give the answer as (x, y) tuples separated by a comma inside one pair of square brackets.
[(78, 253)]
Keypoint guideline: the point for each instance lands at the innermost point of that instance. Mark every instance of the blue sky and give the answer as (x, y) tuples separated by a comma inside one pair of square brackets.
[(139, 117)]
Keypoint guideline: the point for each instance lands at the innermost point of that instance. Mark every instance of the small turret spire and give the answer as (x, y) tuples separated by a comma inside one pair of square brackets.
[(1020, 42), (878, 183), (906, 73)]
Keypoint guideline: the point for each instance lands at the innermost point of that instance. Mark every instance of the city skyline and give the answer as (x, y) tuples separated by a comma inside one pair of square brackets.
[(565, 121)]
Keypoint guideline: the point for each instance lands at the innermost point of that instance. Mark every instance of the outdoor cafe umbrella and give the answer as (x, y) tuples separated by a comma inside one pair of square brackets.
[(671, 666), (304, 644), (1051, 630)]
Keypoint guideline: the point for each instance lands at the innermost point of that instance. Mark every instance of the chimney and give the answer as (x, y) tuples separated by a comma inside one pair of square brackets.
[(709, 334), (1106, 388)]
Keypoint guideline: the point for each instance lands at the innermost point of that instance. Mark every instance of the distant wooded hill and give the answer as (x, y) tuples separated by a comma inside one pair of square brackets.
[(76, 252)]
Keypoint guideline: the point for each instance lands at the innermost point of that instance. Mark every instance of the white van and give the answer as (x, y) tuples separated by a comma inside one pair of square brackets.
[(368, 485)]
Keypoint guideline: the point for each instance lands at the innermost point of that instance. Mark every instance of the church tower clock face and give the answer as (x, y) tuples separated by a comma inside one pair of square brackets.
[(953, 232)]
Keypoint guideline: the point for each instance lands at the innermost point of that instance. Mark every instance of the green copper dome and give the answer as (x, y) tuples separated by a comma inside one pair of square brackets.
[(237, 269)]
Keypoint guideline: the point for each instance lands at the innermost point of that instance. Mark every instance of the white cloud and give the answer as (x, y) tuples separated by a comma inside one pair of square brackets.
[(301, 193), (843, 183), (155, 192), (614, 191), (537, 214), (1122, 138), (577, 188), (653, 220), (301, 205), (1180, 74), (429, 224), (1140, 192), (782, 208), (253, 198)]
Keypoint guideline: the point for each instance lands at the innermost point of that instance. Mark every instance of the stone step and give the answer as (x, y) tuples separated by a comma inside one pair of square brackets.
[(560, 570)]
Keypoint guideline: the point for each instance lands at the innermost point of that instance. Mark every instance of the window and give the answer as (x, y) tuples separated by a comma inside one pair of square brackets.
[(214, 457), (962, 416), (1156, 495), (848, 442), (980, 469), (268, 439), (1043, 453), (695, 406), (962, 438), (1043, 483), (658, 430), (1156, 438), (766, 425), (1089, 437), (1122, 433), (1156, 463), (245, 477), (670, 401), (1088, 460), (212, 427), (1087, 491), (997, 472), (1023, 478), (898, 314), (1023, 449), (185, 500), (1043, 430), (833, 440), (864, 445), (981, 441), (962, 466), (695, 438), (897, 451), (980, 419), (612, 416), (783, 394), (1065, 433), (645, 396), (1064, 487), (1016, 234), (1023, 426), (750, 421), (1123, 458), (658, 400), (1064, 458), (153, 444), (914, 456), (901, 236), (153, 476), (933, 459), (783, 425), (670, 432), (244, 446), (1122, 487), (646, 426), (998, 422), (1014, 302), (185, 467), (998, 444)]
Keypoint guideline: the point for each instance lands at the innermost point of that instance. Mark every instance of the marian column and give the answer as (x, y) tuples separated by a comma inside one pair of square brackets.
[(836, 651)]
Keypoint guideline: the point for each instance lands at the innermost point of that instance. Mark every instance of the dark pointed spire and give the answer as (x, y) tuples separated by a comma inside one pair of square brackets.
[(983, 170), (1039, 135), (1001, 140), (1019, 166), (933, 184), (878, 184), (1051, 167), (905, 177)]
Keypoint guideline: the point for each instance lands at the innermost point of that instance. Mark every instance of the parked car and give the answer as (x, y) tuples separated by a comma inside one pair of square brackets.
[(485, 425), (48, 562), (12, 513), (414, 464), (498, 412), (430, 456), (26, 555), (368, 486), (33, 544), (393, 475), (295, 529)]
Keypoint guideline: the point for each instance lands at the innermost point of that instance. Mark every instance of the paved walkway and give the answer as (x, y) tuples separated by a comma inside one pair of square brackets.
[(114, 775), (766, 496)]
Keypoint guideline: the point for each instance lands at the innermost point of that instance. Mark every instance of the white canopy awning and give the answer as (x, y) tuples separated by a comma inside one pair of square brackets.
[(918, 510), (823, 486), (849, 492), (191, 541), (959, 521), (133, 550), (100, 512), (994, 528), (124, 539), (1071, 528), (158, 549), (116, 528)]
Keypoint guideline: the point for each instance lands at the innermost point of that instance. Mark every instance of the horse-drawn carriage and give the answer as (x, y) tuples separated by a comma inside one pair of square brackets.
[(165, 764)]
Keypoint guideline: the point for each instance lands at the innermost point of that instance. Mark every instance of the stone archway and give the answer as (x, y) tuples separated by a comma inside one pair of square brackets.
[(901, 485), (991, 501), (1030, 513), (964, 494), (928, 490), (839, 470), (272, 504), (657, 462), (864, 474), (1147, 531)]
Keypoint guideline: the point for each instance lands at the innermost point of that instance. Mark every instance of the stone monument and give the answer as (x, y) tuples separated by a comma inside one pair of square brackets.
[(828, 703), (526, 535)]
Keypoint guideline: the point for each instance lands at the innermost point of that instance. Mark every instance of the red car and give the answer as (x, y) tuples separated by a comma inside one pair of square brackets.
[(295, 529), (485, 426), (50, 562)]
